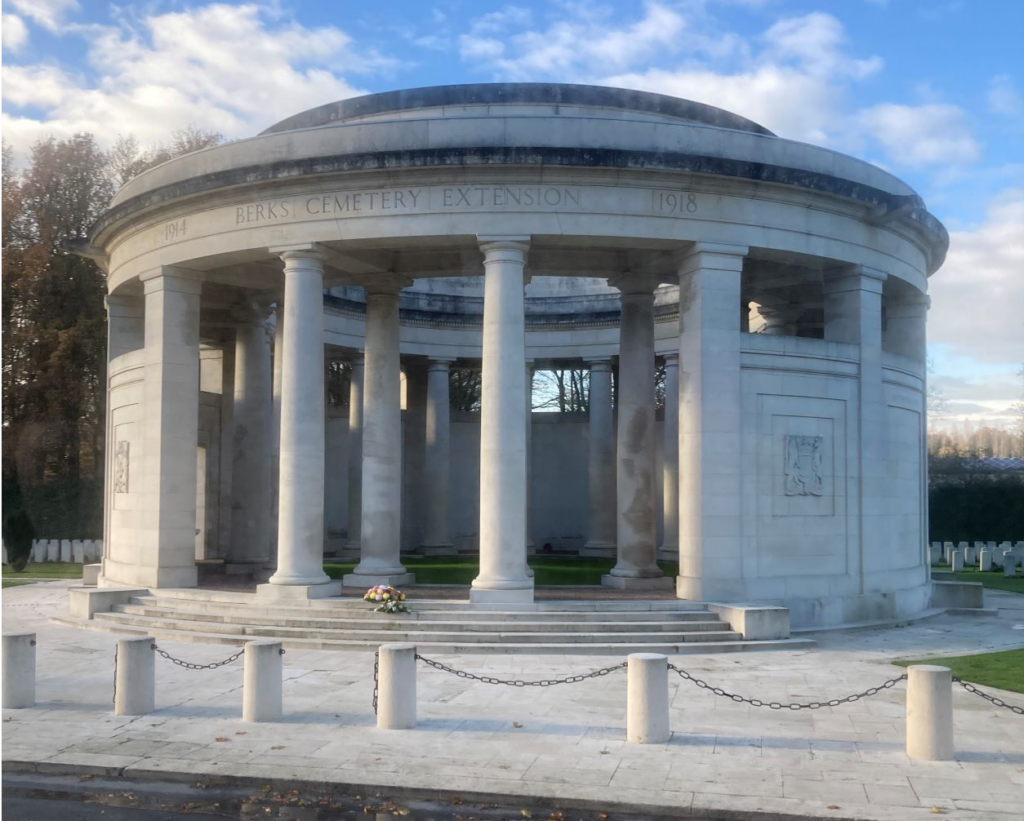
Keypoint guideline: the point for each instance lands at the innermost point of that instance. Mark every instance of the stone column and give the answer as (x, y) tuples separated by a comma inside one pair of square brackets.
[(853, 315), (380, 555), (780, 319), (125, 332), (355, 460), (601, 469), (636, 530), (414, 454), (170, 426), (503, 571), (905, 330), (251, 445), (226, 455), (437, 465), (669, 550), (300, 535), (531, 548), (275, 428), (710, 467)]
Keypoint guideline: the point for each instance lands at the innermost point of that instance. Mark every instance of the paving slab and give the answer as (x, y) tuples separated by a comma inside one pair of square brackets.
[(563, 744)]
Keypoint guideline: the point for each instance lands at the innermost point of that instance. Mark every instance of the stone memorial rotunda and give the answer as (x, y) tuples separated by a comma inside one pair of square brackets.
[(511, 228)]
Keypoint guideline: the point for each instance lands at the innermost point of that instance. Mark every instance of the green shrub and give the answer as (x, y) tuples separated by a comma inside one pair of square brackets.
[(18, 536)]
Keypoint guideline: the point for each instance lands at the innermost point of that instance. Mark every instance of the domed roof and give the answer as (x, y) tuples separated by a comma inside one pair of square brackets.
[(502, 95)]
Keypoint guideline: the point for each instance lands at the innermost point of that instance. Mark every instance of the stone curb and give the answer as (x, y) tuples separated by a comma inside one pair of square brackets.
[(538, 796)]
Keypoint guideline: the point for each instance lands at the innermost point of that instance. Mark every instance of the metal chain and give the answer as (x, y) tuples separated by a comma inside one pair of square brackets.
[(376, 677), (794, 706), (547, 682), (190, 666), (114, 699), (998, 702)]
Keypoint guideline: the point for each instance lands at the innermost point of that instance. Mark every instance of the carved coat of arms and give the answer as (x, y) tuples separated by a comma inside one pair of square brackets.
[(803, 466)]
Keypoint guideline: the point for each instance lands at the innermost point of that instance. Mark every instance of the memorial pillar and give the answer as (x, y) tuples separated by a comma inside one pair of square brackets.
[(227, 413), (710, 466), (905, 330), (170, 426), (636, 567), (601, 469), (275, 428), (853, 315), (251, 445), (669, 550), (531, 548), (300, 534), (380, 538), (355, 459), (437, 464), (503, 570)]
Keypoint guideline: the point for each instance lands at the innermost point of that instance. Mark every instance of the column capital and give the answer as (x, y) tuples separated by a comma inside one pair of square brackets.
[(671, 359), (388, 283), (633, 284), (302, 250), (439, 364), (494, 243), (124, 305), (171, 278), (913, 301), (356, 359), (710, 255), (853, 278), (602, 364), (249, 312)]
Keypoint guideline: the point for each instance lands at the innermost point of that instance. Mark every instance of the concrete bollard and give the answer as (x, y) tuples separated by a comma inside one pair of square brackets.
[(396, 687), (957, 563), (984, 560), (19, 659), (929, 713), (135, 677), (647, 699), (261, 689)]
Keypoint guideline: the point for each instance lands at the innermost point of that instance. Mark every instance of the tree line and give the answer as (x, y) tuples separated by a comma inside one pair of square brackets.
[(54, 324)]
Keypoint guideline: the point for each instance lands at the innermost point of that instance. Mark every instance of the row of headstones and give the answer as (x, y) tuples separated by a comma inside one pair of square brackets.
[(65, 550), (984, 555)]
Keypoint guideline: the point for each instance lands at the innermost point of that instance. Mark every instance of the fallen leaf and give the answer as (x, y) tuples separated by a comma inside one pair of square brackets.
[(242, 733), (517, 725), (937, 811), (402, 811), (221, 738), (504, 766), (526, 813), (603, 752), (833, 807), (278, 747), (86, 777), (456, 800), (602, 816)]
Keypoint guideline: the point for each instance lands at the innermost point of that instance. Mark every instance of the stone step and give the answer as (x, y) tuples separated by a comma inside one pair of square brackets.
[(429, 633), (453, 617), (602, 649), (420, 601), (402, 623)]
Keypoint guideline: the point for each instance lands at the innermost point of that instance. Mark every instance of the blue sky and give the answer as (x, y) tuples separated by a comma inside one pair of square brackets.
[(932, 90)]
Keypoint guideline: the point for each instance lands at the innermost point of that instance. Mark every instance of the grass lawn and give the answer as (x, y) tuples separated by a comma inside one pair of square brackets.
[(992, 579), (1004, 670), (20, 583), (548, 570), (46, 570)]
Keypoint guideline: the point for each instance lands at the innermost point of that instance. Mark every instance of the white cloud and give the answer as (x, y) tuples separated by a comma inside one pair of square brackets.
[(15, 32), (919, 135), (47, 13), (977, 296), (1004, 98), (232, 69)]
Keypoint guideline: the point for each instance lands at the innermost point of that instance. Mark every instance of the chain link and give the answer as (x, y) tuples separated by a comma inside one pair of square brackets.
[(190, 666), (998, 702), (546, 682), (795, 705)]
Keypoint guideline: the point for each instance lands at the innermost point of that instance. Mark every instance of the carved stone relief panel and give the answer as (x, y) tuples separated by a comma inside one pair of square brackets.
[(803, 465), (121, 466)]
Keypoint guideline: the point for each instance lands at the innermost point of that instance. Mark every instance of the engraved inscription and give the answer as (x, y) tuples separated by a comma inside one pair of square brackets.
[(674, 202), (803, 466), (172, 231), (121, 467)]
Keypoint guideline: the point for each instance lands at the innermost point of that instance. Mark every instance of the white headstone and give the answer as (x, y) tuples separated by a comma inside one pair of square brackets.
[(78, 551), (65, 550), (958, 561), (984, 560), (53, 550)]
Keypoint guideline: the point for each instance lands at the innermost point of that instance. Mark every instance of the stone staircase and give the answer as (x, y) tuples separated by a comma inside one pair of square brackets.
[(435, 626)]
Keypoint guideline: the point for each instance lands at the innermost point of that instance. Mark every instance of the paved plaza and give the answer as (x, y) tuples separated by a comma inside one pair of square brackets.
[(562, 743)]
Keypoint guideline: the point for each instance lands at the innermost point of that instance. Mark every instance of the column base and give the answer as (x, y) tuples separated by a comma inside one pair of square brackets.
[(438, 549), (368, 580), (668, 553), (293, 592), (634, 583), (599, 550), (517, 595)]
